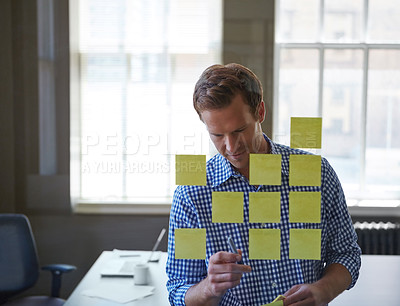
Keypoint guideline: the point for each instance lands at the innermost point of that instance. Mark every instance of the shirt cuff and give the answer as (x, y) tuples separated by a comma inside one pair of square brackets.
[(177, 297), (352, 265)]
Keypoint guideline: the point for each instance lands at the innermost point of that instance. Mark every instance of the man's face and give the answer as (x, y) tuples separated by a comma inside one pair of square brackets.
[(236, 132)]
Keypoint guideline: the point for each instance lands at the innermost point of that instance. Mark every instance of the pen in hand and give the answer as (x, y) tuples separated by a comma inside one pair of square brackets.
[(234, 249)]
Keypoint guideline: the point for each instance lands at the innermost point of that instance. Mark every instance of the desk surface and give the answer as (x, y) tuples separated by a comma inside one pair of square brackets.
[(158, 279), (378, 284)]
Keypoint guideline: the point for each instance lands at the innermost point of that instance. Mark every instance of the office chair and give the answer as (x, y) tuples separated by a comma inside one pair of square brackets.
[(19, 265)]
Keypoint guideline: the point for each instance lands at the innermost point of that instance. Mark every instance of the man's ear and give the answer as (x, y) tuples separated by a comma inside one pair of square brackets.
[(261, 112)]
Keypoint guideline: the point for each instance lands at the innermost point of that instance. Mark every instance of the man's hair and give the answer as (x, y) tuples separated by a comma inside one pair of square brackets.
[(219, 84)]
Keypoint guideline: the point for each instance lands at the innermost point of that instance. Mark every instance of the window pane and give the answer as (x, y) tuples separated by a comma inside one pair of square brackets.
[(299, 20), (190, 29), (365, 152), (342, 100), (103, 78), (343, 20), (298, 88), (384, 21), (139, 61), (383, 124), (101, 24)]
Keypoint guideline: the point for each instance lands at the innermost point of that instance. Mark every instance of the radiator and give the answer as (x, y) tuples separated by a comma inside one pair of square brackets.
[(378, 238)]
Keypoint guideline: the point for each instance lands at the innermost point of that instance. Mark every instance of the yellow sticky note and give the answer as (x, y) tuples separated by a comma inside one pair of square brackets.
[(264, 243), (305, 132), (305, 244), (304, 170), (265, 169), (305, 207), (190, 170), (279, 298), (265, 207), (190, 243), (275, 303), (227, 207)]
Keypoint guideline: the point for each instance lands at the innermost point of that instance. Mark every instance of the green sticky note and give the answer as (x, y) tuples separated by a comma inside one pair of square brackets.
[(304, 170), (190, 243), (305, 207), (227, 207), (190, 170), (264, 243), (265, 169), (305, 132), (305, 244), (265, 207)]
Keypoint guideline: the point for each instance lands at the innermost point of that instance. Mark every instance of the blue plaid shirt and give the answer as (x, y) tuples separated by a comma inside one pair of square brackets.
[(191, 208)]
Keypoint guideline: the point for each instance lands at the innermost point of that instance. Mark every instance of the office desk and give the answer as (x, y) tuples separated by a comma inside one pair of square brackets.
[(158, 279), (378, 283)]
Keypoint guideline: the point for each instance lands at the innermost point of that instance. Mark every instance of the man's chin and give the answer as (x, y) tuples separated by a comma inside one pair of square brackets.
[(238, 164)]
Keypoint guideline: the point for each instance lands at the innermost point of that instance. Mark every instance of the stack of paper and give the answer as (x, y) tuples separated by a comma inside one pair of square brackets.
[(119, 293)]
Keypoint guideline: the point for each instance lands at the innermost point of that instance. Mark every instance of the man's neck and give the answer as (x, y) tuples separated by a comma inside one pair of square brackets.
[(265, 148)]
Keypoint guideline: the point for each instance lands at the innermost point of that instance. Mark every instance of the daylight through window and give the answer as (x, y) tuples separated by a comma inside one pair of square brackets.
[(136, 63), (340, 60)]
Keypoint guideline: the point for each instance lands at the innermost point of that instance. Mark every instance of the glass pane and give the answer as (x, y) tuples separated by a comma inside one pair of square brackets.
[(342, 99), (138, 69), (343, 20), (298, 88), (298, 20), (190, 30), (384, 21), (146, 158), (103, 97), (383, 124), (101, 24)]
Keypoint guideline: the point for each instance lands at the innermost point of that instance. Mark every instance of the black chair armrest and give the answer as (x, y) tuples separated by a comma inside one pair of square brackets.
[(59, 267), (57, 270)]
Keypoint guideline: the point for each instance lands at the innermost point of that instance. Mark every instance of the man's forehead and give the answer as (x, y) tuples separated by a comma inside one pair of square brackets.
[(217, 123)]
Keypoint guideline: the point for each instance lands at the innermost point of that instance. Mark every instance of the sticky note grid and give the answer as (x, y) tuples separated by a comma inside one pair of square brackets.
[(264, 207)]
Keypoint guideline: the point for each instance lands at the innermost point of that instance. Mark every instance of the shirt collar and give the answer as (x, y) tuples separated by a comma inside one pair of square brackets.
[(277, 149), (222, 170)]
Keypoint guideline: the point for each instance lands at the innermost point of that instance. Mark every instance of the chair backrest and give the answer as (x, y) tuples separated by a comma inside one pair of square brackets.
[(19, 267)]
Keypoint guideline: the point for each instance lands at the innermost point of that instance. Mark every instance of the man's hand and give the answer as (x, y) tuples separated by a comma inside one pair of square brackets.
[(223, 273), (335, 280), (305, 295)]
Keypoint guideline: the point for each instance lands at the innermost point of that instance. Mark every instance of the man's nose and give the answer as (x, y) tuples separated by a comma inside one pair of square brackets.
[(231, 143)]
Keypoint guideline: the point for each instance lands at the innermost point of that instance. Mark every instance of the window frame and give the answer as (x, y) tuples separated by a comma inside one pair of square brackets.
[(140, 205), (357, 204)]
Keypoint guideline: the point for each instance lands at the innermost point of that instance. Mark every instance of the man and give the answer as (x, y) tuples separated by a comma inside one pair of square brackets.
[(229, 101)]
